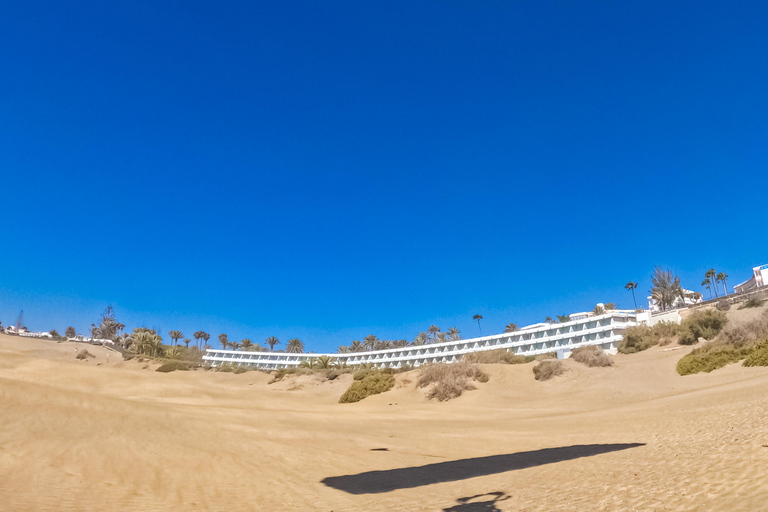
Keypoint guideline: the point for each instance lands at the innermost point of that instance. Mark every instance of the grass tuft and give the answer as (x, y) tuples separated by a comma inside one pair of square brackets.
[(545, 370), (591, 356), (84, 354), (450, 379)]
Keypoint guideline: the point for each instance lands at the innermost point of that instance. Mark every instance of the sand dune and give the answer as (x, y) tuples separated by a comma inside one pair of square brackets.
[(106, 434)]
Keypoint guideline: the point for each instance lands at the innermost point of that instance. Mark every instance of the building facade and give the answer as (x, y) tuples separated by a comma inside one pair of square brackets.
[(758, 280), (604, 331)]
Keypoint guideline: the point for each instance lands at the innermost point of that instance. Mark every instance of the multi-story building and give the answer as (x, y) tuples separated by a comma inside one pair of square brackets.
[(605, 331), (758, 280)]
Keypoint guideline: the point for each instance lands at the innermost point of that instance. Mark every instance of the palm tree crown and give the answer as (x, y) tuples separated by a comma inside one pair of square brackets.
[(294, 345), (272, 341)]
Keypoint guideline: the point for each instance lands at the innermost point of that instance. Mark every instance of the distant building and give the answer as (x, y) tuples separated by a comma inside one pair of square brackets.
[(12, 329), (758, 280), (691, 298)]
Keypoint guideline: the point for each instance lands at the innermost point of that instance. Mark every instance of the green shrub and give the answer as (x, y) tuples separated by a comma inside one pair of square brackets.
[(591, 356), (637, 338), (545, 370), (711, 357), (759, 355), (702, 324), (373, 383), (172, 366), (723, 305), (753, 302)]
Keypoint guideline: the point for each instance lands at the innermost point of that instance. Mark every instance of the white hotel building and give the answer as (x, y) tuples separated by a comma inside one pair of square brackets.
[(605, 331)]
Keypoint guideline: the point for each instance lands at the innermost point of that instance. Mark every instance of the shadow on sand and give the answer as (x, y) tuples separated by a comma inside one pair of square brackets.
[(374, 482), (479, 503)]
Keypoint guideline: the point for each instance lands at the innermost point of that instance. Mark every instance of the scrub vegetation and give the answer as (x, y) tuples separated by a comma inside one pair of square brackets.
[(747, 341), (449, 380), (547, 369), (591, 356)]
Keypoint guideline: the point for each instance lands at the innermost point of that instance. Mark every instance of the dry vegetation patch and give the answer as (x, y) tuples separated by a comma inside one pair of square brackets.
[(734, 343), (498, 356), (172, 366), (84, 354), (547, 369), (450, 380), (642, 337), (591, 356)]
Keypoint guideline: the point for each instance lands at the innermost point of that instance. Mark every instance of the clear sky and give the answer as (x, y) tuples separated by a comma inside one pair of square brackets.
[(328, 170)]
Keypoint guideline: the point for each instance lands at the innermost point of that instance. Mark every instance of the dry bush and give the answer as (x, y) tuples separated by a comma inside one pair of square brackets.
[(591, 356), (734, 343), (84, 354), (545, 356), (226, 368), (498, 356), (747, 333), (723, 305), (172, 366), (753, 302), (450, 380), (702, 324), (545, 370), (370, 383)]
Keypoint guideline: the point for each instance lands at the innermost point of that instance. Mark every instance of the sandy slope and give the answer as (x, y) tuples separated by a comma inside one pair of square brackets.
[(104, 434)]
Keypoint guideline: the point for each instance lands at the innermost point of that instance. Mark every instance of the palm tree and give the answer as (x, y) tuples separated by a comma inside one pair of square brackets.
[(433, 330), (224, 341), (175, 336), (206, 337), (563, 318), (186, 342), (665, 286), (70, 332), (356, 346), (402, 343), (294, 346), (549, 320), (711, 275), (478, 318), (370, 341), (722, 277), (511, 327), (706, 284), (631, 286), (272, 341), (246, 344), (421, 338), (173, 353), (198, 336), (382, 345), (324, 362), (454, 334), (234, 345), (599, 310), (343, 349)]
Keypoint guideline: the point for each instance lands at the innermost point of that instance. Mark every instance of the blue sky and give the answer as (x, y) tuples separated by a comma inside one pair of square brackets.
[(328, 170)]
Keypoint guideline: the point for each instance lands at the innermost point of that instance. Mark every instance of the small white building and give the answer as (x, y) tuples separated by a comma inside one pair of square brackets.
[(758, 280)]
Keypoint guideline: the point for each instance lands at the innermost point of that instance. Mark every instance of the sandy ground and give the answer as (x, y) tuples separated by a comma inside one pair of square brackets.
[(106, 434)]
